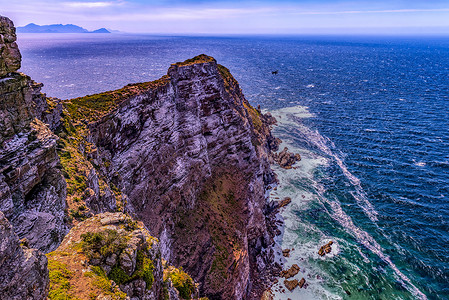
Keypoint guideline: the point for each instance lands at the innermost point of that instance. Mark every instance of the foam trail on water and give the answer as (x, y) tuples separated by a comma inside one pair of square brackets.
[(290, 121), (322, 144)]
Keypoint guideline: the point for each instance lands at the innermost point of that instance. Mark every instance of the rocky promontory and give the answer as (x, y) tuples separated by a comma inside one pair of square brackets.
[(150, 178)]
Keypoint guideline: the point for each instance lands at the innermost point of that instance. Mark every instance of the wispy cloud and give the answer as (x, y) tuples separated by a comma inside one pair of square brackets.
[(98, 4), (369, 11)]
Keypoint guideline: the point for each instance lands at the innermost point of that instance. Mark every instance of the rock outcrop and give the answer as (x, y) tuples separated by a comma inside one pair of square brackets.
[(111, 256), (23, 271), (10, 57), (32, 189), (190, 157)]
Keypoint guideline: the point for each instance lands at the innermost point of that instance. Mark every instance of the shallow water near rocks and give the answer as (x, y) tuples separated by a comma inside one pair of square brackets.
[(370, 117)]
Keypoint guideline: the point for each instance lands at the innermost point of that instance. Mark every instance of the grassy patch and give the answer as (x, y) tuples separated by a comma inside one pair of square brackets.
[(94, 107), (101, 282), (59, 281), (202, 58)]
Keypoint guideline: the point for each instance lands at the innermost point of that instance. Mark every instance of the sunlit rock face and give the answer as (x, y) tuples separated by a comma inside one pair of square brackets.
[(192, 157), (9, 51), (32, 189)]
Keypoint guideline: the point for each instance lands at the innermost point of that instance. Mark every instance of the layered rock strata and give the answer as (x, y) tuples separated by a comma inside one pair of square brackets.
[(32, 189), (23, 271), (190, 157)]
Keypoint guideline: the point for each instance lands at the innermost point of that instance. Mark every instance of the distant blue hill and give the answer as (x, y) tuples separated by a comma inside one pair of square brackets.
[(57, 28)]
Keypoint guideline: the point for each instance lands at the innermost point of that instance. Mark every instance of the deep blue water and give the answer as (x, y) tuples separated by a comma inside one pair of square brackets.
[(380, 109)]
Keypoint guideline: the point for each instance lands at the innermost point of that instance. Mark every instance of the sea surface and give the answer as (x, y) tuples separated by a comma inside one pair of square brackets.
[(370, 117)]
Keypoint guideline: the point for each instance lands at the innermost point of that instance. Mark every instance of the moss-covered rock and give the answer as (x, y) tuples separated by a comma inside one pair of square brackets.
[(112, 255)]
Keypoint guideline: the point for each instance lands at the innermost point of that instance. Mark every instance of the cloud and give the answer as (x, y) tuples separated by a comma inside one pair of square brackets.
[(370, 11), (98, 4)]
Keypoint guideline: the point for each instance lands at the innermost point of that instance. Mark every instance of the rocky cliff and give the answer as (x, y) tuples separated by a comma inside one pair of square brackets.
[(111, 256), (187, 155), (23, 271), (190, 157), (32, 189)]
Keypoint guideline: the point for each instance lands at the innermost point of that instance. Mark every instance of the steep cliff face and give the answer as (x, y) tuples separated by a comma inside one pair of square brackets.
[(190, 157), (23, 271), (32, 189), (9, 51)]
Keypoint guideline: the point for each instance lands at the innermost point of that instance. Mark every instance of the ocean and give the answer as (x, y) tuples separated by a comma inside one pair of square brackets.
[(369, 116)]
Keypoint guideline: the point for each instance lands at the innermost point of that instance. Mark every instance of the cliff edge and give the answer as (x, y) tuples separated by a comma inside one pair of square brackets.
[(189, 157), (185, 155)]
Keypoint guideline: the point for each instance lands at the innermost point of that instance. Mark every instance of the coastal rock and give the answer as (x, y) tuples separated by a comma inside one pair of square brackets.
[(286, 252), (325, 249), (291, 284), (191, 157), (10, 57), (286, 201), (32, 189), (23, 271), (301, 282), (294, 269), (286, 159)]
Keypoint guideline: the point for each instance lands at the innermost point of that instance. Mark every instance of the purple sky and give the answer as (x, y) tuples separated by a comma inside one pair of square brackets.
[(237, 17)]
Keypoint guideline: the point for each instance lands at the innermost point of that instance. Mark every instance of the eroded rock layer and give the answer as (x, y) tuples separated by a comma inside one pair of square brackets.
[(32, 189), (191, 157), (23, 271)]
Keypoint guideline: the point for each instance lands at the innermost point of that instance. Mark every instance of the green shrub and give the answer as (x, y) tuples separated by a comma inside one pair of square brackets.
[(102, 244), (144, 270), (182, 282)]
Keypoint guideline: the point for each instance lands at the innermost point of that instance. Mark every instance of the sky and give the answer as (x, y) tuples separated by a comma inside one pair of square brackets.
[(238, 17)]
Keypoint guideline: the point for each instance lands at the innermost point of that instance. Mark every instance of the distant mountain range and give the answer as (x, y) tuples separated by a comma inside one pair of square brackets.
[(57, 28)]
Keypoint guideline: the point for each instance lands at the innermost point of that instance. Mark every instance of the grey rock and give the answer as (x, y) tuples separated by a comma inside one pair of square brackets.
[(165, 143), (32, 188), (23, 271), (10, 57)]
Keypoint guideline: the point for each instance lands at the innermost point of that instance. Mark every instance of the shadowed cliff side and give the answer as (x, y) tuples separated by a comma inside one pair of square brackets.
[(188, 156)]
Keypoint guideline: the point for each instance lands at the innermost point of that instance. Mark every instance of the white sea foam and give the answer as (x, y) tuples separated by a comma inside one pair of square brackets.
[(306, 248)]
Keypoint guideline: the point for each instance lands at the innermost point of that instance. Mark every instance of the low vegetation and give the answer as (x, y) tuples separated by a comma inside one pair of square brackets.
[(96, 245), (181, 281), (59, 281)]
